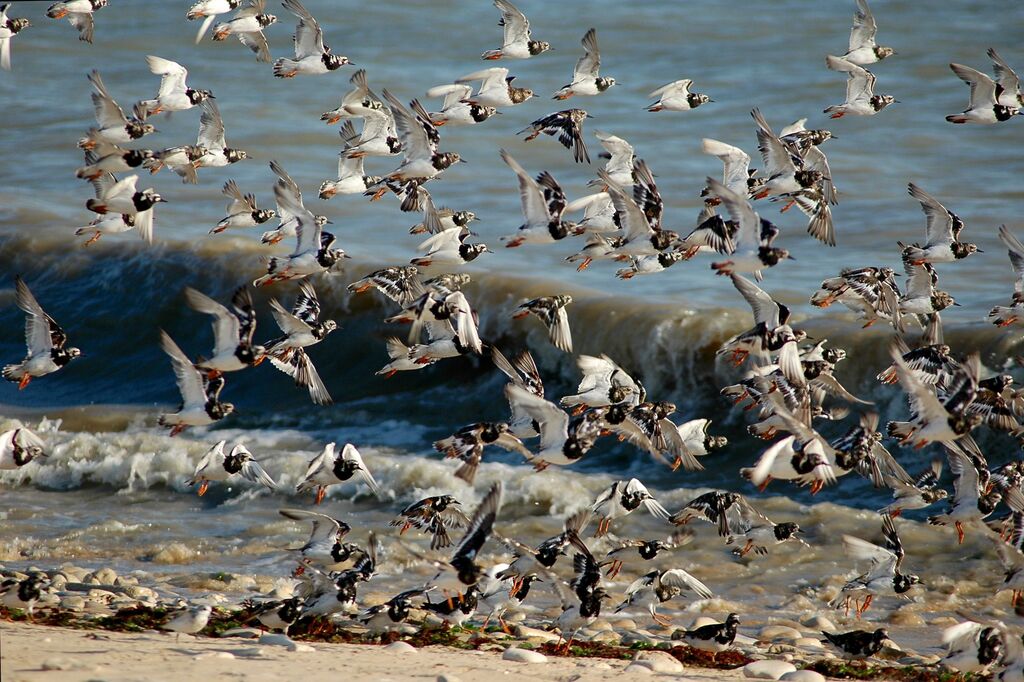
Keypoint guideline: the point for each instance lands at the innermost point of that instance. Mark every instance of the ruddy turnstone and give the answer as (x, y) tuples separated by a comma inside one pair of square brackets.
[(562, 440), (434, 515), (114, 126), (23, 594), (922, 492), (1003, 316), (19, 447), (521, 372), (585, 75), (312, 57), (174, 94), (324, 548), (973, 500), (551, 311), (884, 576), (863, 49), (942, 233), (215, 465), (713, 637), (331, 468), (302, 328), (9, 27), (421, 161), (391, 614), (543, 204), (604, 383), (676, 96), (650, 265), (126, 207), (467, 444), (456, 109), (657, 587), (313, 252), (1007, 82), (211, 139), (208, 10), (647, 549), (568, 126), (79, 14), (973, 647), (279, 614), (200, 395), (517, 43), (861, 99), (242, 210), (352, 179), (233, 348), (105, 157), (621, 498), (754, 236), (858, 644), (359, 102), (248, 24), (984, 106), (495, 89), (401, 284), (45, 340)]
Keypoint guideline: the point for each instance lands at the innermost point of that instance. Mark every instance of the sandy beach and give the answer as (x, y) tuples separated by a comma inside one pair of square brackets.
[(33, 652)]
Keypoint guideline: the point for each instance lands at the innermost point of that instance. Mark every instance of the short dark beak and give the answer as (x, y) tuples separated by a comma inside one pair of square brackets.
[(835, 137), (790, 257), (956, 304), (330, 222), (211, 96), (589, 116), (461, 160), (979, 251)]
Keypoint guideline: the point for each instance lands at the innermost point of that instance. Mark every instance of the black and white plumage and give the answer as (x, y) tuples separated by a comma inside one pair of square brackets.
[(754, 237), (113, 125), (208, 11), (604, 383), (543, 203), (972, 501), (973, 647), (495, 89), (621, 498), (200, 395), (302, 328), (324, 548), (919, 493), (858, 644), (586, 585), (312, 57), (248, 24), (45, 341), (463, 570), (391, 614), (455, 611), (467, 444), (870, 292), (359, 102), (586, 78), (521, 372), (984, 106), (942, 233), (1004, 316), (861, 99), (568, 126), (121, 197), (517, 43), (551, 311), (211, 138), (173, 94), (233, 332), (1007, 82), (106, 157), (862, 47), (279, 614), (456, 109), (676, 96), (657, 587), (434, 515), (563, 440), (242, 210), (313, 253), (713, 637), (402, 284), (331, 468), (79, 14), (24, 593), (646, 549), (542, 558), (20, 446), (9, 27), (884, 577), (215, 465), (352, 178), (419, 137)]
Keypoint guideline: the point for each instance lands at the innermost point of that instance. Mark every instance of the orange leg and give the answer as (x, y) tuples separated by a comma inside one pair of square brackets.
[(959, 532), (203, 487), (25, 379), (584, 265), (320, 492), (765, 484)]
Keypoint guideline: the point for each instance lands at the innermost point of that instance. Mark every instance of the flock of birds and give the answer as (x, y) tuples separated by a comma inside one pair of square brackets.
[(788, 383)]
